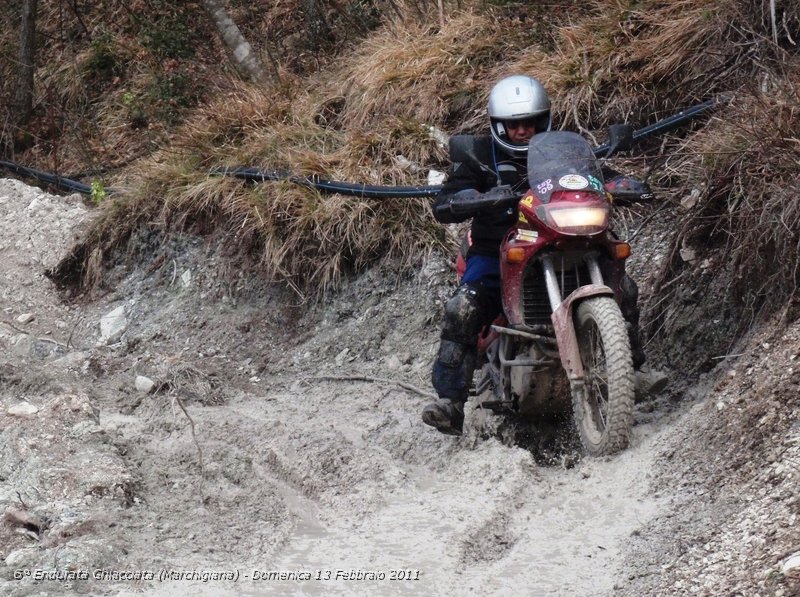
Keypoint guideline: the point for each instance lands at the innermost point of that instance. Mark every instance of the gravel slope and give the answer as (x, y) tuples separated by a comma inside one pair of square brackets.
[(282, 439)]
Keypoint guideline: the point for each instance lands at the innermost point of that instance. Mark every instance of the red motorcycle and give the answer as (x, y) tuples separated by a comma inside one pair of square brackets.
[(562, 340)]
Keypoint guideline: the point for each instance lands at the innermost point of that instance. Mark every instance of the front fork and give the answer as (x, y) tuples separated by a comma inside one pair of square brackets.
[(498, 350), (551, 279), (562, 317)]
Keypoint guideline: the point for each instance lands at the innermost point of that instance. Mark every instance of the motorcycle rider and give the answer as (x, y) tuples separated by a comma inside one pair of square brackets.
[(518, 108)]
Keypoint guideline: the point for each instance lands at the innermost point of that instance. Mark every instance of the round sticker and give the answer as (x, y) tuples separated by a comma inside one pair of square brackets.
[(573, 181)]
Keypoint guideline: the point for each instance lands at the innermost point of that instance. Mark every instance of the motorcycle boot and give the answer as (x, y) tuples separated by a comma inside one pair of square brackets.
[(446, 415)]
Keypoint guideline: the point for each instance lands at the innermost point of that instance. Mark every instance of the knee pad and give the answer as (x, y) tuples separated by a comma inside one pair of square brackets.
[(464, 316)]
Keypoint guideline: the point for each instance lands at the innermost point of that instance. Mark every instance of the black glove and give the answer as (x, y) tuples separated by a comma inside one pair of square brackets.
[(470, 201), (624, 189)]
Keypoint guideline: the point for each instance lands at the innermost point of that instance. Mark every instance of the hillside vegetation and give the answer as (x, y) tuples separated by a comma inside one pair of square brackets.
[(140, 97), (302, 443)]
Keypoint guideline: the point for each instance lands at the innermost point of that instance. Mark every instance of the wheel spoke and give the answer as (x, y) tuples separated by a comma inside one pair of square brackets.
[(596, 377), (598, 405)]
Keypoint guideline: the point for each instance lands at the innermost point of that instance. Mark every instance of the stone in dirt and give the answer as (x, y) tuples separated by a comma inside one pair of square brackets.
[(23, 409), (21, 518), (791, 567), (26, 318), (144, 384), (112, 325)]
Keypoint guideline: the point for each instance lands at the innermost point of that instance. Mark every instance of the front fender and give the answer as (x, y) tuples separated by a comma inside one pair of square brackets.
[(564, 326)]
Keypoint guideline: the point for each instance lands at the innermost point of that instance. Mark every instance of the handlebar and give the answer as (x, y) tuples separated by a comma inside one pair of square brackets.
[(497, 197)]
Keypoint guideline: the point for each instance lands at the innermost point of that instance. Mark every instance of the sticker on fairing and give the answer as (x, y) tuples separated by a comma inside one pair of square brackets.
[(522, 218), (573, 182), (596, 184), (544, 187)]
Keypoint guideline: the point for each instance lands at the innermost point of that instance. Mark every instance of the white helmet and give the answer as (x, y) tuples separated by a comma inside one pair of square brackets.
[(517, 98)]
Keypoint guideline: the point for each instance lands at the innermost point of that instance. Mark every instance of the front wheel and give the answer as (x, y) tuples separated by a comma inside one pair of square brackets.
[(603, 405)]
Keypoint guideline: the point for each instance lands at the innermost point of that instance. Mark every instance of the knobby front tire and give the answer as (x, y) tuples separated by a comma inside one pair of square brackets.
[(603, 407)]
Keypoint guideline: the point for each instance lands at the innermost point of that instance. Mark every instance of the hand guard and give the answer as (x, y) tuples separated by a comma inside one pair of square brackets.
[(626, 189), (470, 201)]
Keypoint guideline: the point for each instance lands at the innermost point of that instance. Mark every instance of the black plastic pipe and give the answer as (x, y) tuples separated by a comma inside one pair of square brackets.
[(331, 186), (362, 190), (51, 179)]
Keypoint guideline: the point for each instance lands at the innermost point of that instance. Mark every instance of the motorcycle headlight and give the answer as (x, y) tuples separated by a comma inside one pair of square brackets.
[(575, 213), (580, 217)]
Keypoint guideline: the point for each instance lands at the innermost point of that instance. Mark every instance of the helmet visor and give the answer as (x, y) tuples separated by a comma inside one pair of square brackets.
[(539, 123)]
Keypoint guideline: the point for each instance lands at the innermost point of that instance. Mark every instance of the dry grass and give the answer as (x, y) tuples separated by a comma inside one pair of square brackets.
[(637, 61), (603, 61), (295, 234), (420, 72)]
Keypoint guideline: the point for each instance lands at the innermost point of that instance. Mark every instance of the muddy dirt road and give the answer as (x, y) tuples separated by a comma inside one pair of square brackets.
[(191, 423)]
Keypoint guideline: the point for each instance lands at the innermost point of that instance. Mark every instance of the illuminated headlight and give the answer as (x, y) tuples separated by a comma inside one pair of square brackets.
[(579, 217)]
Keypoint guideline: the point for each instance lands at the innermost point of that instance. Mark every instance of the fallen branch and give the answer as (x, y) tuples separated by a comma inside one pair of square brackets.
[(13, 327), (402, 384), (21, 501), (194, 439), (726, 356), (74, 327)]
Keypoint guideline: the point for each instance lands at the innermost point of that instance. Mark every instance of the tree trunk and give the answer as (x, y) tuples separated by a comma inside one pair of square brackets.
[(23, 97), (242, 54)]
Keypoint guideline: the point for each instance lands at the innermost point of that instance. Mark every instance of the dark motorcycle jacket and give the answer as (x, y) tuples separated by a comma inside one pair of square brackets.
[(489, 226)]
